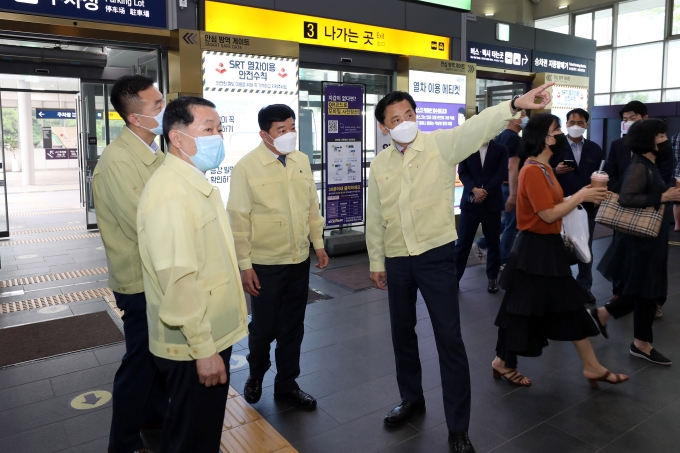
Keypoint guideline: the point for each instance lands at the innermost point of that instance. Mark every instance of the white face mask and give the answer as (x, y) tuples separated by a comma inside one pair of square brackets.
[(286, 143), (628, 124), (575, 131), (405, 132)]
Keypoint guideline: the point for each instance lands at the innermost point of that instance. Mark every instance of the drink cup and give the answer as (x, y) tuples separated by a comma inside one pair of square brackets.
[(677, 182), (599, 179)]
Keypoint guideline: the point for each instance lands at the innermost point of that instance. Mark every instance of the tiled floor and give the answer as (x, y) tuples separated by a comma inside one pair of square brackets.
[(348, 364)]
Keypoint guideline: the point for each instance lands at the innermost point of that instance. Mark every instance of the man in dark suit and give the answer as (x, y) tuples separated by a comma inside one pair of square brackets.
[(482, 175), (619, 155), (585, 158)]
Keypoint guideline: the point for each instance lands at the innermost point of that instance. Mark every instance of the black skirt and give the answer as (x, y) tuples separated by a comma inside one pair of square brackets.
[(542, 299)]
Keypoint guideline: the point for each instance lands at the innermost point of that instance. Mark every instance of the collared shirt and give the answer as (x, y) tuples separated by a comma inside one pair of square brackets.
[(153, 147), (482, 152), (274, 210), (576, 148), (123, 170), (410, 196), (675, 144), (194, 298)]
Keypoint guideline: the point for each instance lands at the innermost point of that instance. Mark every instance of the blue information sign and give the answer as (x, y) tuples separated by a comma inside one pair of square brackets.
[(143, 13), (59, 114), (562, 64), (499, 56)]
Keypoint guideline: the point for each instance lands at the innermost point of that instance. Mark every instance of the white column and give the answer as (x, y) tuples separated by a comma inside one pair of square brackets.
[(26, 135)]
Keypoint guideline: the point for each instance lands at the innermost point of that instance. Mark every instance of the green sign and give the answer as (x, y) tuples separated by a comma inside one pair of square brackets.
[(459, 4)]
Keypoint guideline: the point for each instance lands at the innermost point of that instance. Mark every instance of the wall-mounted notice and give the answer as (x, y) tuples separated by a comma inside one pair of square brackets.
[(240, 85), (344, 123), (567, 98)]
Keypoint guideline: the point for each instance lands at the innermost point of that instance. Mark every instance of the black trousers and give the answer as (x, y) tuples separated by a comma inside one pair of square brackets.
[(278, 313), (643, 314), (139, 395), (434, 274), (467, 228), (196, 413)]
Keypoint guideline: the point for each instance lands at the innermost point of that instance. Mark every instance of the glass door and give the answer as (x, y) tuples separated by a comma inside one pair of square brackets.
[(496, 95), (92, 139), (10, 142)]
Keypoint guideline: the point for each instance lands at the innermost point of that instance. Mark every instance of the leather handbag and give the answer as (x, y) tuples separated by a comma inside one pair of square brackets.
[(640, 222)]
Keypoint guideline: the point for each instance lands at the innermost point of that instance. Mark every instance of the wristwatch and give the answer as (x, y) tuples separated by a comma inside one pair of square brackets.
[(512, 103)]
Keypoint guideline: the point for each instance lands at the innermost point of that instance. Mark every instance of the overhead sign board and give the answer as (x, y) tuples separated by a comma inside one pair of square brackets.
[(562, 64), (492, 55), (317, 31), (459, 4), (67, 114), (141, 13), (240, 85)]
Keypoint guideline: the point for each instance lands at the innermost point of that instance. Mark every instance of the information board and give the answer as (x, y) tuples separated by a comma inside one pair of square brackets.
[(318, 31), (567, 98), (61, 153), (440, 104), (499, 56), (440, 99), (141, 13), (562, 64), (344, 131), (240, 85)]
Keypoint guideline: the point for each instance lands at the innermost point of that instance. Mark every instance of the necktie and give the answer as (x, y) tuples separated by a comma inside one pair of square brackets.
[(282, 159)]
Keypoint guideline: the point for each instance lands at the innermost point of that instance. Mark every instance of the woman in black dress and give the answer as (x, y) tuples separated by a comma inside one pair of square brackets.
[(640, 265), (542, 299)]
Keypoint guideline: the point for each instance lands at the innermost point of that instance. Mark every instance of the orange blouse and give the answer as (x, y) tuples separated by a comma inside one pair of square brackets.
[(537, 193)]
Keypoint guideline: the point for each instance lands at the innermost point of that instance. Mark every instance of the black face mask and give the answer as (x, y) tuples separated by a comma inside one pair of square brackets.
[(560, 143), (663, 147)]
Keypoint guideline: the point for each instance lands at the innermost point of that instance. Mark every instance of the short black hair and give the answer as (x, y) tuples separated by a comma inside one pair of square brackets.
[(535, 132), (392, 98), (635, 107), (461, 110), (274, 113), (641, 135), (179, 112), (125, 93), (583, 113)]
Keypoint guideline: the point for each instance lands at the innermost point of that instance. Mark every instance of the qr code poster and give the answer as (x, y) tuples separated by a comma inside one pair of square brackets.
[(333, 127)]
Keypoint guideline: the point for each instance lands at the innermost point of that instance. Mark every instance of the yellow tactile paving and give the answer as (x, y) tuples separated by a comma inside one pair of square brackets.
[(35, 213), (47, 230), (257, 436), (238, 413), (52, 277), (47, 301), (49, 239)]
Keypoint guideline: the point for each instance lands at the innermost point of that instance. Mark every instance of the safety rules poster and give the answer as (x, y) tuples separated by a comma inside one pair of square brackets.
[(344, 123)]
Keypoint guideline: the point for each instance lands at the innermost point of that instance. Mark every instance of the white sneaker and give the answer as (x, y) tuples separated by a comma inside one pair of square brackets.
[(479, 253)]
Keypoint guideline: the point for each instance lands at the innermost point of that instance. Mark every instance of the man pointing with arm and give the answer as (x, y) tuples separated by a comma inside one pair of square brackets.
[(410, 237)]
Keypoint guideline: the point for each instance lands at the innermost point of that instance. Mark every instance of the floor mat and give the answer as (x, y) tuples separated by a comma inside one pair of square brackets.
[(58, 336), (355, 277)]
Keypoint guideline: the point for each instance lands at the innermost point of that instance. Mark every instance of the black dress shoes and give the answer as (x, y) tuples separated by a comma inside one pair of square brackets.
[(460, 443), (252, 391), (493, 286), (300, 399), (400, 414)]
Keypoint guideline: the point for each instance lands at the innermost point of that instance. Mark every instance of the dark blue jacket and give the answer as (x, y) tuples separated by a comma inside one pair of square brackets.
[(573, 181), (490, 177), (619, 159)]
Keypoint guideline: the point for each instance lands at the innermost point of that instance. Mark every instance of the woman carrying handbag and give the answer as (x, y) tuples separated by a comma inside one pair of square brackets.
[(639, 265), (542, 299)]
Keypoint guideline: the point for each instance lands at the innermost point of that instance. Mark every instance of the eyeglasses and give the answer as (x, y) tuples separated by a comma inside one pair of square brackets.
[(577, 123)]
